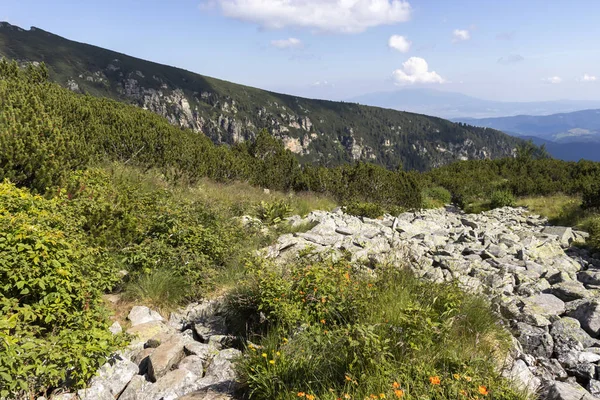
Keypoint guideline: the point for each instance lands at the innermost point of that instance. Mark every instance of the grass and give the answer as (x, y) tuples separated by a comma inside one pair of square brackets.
[(335, 332), (560, 209), (160, 290)]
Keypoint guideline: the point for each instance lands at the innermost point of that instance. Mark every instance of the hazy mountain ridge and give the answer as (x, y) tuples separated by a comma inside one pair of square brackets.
[(459, 106), (318, 131)]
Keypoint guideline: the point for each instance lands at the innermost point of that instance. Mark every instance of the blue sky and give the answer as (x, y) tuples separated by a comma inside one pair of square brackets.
[(513, 50)]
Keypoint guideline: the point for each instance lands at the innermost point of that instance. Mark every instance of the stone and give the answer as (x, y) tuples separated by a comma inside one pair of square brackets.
[(62, 396), (164, 357), (565, 235), (594, 387), (221, 370), (544, 304), (207, 394), (535, 341), (588, 315), (570, 327), (202, 350), (565, 391), (523, 377), (569, 291), (136, 389), (194, 364), (173, 385), (583, 371), (589, 277), (110, 380), (115, 328), (141, 315), (146, 331)]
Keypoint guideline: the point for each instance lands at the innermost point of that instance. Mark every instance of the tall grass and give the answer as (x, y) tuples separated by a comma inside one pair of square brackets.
[(160, 289)]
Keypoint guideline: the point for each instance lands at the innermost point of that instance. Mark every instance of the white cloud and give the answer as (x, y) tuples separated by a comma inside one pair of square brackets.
[(553, 80), (588, 78), (291, 43), (416, 70), (340, 16), (322, 84), (460, 35), (399, 43)]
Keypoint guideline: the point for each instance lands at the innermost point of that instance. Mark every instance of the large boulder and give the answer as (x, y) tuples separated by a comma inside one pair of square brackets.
[(164, 357), (535, 341), (173, 385), (136, 389), (565, 235), (569, 290), (545, 305), (571, 328)]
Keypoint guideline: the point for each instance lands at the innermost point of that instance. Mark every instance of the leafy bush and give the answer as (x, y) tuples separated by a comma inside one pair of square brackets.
[(363, 209), (593, 227), (53, 328), (502, 198), (273, 212), (331, 331)]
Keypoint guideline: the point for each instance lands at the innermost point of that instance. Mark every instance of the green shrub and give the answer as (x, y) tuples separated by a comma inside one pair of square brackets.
[(53, 329), (502, 198), (592, 225), (364, 209), (273, 212), (436, 197), (331, 331), (591, 197)]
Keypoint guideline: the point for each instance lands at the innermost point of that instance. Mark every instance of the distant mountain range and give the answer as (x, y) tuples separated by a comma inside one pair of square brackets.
[(568, 136), (326, 132), (455, 105)]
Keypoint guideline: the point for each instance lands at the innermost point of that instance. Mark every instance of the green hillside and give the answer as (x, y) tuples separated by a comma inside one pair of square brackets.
[(329, 132)]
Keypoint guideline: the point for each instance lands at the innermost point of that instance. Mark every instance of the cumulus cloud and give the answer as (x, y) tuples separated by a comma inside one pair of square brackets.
[(291, 43), (399, 43), (553, 80), (460, 35), (510, 59), (339, 16), (415, 70), (588, 78)]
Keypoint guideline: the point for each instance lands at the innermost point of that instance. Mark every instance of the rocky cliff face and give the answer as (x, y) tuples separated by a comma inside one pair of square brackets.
[(318, 131)]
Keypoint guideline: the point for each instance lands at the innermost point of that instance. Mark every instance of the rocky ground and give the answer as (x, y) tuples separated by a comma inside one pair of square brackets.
[(545, 287)]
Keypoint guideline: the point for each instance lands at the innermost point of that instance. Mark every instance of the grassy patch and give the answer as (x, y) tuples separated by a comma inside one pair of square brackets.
[(160, 289), (560, 209), (326, 330)]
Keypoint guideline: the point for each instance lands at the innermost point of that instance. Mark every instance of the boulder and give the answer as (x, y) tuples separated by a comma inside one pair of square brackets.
[(110, 380), (535, 341), (569, 291), (589, 277), (115, 328), (546, 305), (173, 385), (164, 357), (565, 391), (136, 389), (588, 315), (195, 364), (565, 235), (523, 377), (140, 315), (148, 330), (571, 328), (206, 394)]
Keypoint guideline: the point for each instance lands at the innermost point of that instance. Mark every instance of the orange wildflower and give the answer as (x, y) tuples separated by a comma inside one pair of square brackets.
[(348, 378), (399, 393), (483, 390), (323, 321), (463, 392), (310, 397), (435, 380), (396, 385), (301, 394)]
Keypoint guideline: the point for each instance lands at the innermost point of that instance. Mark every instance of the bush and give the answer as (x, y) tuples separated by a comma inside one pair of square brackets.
[(273, 212), (363, 209), (53, 328), (330, 331), (591, 197), (502, 198), (436, 197), (593, 227)]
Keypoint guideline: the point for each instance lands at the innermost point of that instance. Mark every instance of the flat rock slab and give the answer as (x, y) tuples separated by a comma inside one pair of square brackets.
[(588, 315), (165, 357), (566, 391), (546, 305)]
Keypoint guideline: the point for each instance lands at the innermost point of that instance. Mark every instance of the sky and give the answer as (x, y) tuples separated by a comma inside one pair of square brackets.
[(509, 50)]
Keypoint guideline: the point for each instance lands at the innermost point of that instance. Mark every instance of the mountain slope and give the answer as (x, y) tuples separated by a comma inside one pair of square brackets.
[(456, 105), (318, 131), (579, 126)]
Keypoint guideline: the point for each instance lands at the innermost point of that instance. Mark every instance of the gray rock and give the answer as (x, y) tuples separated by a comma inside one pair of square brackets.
[(590, 277), (565, 391), (136, 389), (140, 315), (115, 328), (164, 357), (173, 385), (565, 235), (535, 341), (202, 350), (194, 364), (207, 394), (571, 328), (110, 380), (546, 305), (523, 377), (569, 291), (588, 314), (594, 387)]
